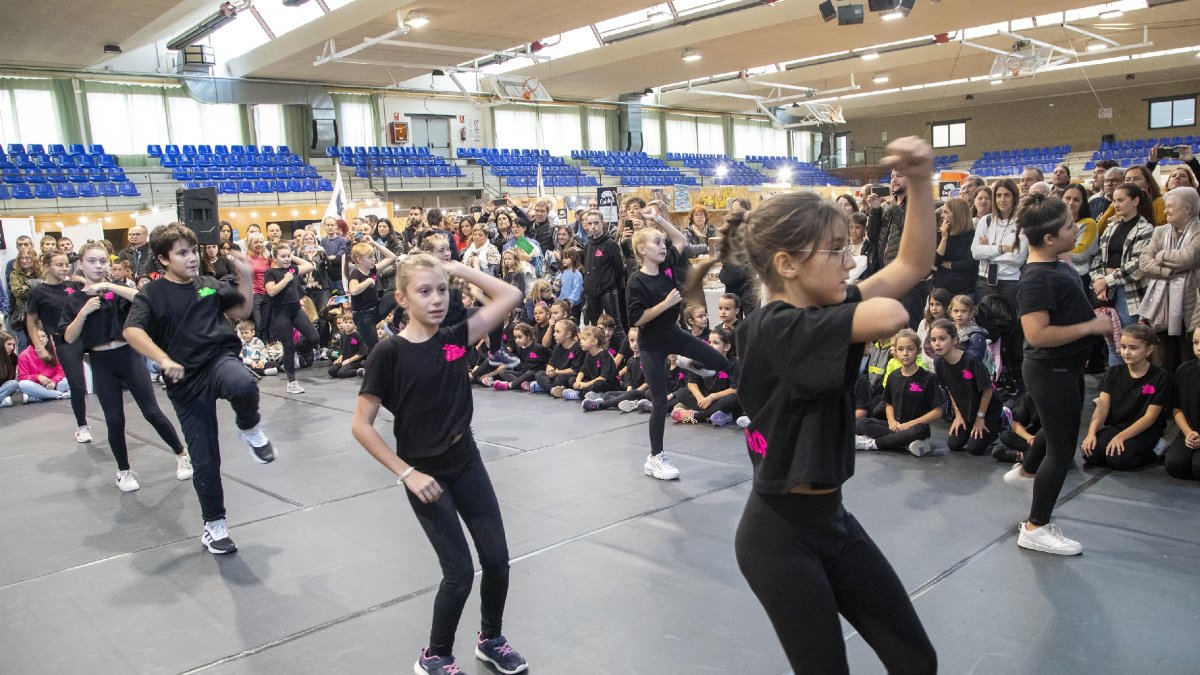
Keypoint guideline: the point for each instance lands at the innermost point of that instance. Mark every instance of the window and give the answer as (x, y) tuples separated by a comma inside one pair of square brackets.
[(269, 127), (949, 134), (597, 130), (561, 132), (841, 149), (28, 116), (125, 123), (356, 121), (651, 134), (194, 123), (1175, 112), (515, 129)]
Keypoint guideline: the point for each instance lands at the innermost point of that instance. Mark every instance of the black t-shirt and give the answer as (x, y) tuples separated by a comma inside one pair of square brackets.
[(349, 345), (634, 377), (533, 358), (456, 311), (1186, 392), (862, 394), (798, 374), (1129, 396), (644, 292), (1116, 244), (539, 332), (1056, 288), (911, 396), (101, 326), (187, 321), (1027, 415), (290, 293), (601, 365), (722, 380), (677, 378), (966, 381), (425, 386), (48, 301), (369, 297), (675, 265), (567, 358)]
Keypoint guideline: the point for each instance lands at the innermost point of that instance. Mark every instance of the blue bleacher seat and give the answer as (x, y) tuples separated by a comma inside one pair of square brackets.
[(96, 149), (331, 151), (16, 149), (22, 192), (251, 149), (325, 185), (76, 149), (4, 193), (34, 176), (108, 190), (35, 149), (266, 150), (171, 149), (47, 191), (283, 150), (262, 185), (227, 187), (220, 150), (57, 149), (154, 151), (129, 190), (189, 150), (204, 150), (295, 185), (89, 190), (56, 175), (13, 175)]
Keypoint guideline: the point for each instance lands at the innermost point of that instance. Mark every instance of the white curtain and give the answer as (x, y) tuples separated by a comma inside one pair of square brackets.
[(752, 137), (515, 129), (681, 134), (802, 146), (269, 128), (597, 130), (125, 123), (710, 136), (28, 116), (195, 123), (561, 131), (651, 134), (356, 122)]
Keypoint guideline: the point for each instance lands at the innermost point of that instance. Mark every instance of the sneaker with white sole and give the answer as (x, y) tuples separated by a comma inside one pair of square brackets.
[(919, 448), (628, 406), (743, 422), (435, 665), (83, 435), (645, 405), (1047, 539), (720, 418), (684, 416), (487, 380), (660, 467), (1016, 476), (260, 446), (557, 392), (570, 395), (271, 371), (127, 481), (501, 357), (216, 538), (864, 443), (534, 388), (590, 404), (6, 402), (294, 387), (688, 364), (183, 467), (500, 654)]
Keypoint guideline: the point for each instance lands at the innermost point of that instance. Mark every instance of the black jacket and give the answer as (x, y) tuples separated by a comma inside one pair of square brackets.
[(603, 265)]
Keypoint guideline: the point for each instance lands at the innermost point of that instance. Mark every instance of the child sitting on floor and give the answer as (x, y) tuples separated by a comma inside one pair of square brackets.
[(911, 404), (352, 351), (598, 372), (533, 360), (565, 360), (710, 399), (254, 352), (1128, 421)]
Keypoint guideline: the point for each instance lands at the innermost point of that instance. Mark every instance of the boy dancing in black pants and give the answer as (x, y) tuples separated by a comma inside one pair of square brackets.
[(179, 321)]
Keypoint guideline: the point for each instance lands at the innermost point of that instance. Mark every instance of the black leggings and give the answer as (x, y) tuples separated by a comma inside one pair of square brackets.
[(365, 320), (469, 494), (727, 404), (288, 318), (1139, 450), (1012, 345), (1182, 461), (547, 383), (885, 438), (612, 398), (654, 367), (1057, 391), (121, 366), (607, 303), (342, 370), (195, 403), (516, 379), (961, 439), (71, 358), (807, 560)]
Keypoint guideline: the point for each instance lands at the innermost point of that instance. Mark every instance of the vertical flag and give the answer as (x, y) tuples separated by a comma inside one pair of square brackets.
[(337, 201), (541, 188)]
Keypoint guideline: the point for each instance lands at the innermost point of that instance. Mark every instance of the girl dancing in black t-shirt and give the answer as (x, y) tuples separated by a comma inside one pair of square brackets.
[(804, 556), (420, 376)]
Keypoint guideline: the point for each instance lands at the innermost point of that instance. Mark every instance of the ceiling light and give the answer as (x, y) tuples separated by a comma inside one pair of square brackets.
[(658, 16), (997, 81), (416, 20), (881, 78), (869, 56), (1096, 46), (1111, 14), (891, 16), (690, 55)]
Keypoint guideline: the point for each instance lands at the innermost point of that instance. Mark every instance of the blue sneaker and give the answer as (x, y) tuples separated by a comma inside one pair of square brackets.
[(500, 654), (435, 665), (536, 388), (591, 404), (720, 418), (501, 357), (570, 395)]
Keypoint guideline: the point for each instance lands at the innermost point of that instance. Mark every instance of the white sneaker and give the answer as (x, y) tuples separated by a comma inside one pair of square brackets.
[(743, 421), (1015, 476), (627, 406), (64, 395), (688, 364), (6, 402), (593, 396), (127, 481), (294, 387), (660, 467), (84, 435), (919, 448), (1047, 539), (864, 443), (216, 539), (261, 449), (270, 371), (183, 467)]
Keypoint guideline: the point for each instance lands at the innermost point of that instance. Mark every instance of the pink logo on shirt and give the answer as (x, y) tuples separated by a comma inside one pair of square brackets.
[(533, 355), (570, 355), (597, 363), (722, 375), (756, 442), (669, 272), (291, 270), (353, 341), (968, 375), (599, 253), (110, 295), (915, 387), (681, 375), (454, 352), (69, 291), (504, 337), (1147, 390), (612, 352), (374, 277)]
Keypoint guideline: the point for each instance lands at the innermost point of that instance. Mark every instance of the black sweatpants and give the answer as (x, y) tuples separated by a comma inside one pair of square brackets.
[(654, 367), (195, 403), (120, 367), (1057, 391), (364, 321), (1139, 450), (807, 560), (467, 493), (71, 358), (1182, 461), (885, 438), (343, 370), (728, 404), (612, 398), (288, 318), (547, 383), (606, 303)]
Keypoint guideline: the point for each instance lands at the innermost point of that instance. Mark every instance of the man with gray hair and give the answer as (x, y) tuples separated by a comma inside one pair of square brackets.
[(971, 185), (1103, 197), (138, 253), (1029, 176), (1040, 188)]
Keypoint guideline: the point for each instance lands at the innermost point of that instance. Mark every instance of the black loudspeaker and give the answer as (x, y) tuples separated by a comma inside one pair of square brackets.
[(827, 11), (849, 14), (198, 210), (905, 6), (324, 134), (1108, 139), (881, 5)]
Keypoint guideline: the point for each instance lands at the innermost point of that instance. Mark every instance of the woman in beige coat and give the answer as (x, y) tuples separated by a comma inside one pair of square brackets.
[(1171, 261)]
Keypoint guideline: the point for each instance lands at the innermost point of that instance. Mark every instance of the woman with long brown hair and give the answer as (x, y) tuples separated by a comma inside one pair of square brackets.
[(955, 267)]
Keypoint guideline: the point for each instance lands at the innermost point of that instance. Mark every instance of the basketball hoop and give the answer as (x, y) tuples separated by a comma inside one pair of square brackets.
[(825, 113), (529, 88), (1014, 65)]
